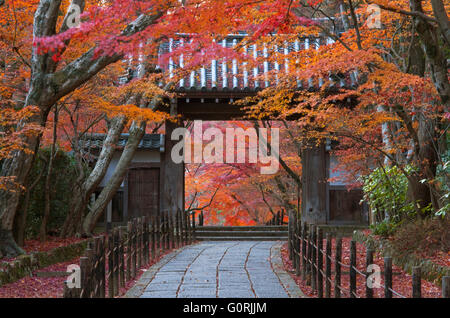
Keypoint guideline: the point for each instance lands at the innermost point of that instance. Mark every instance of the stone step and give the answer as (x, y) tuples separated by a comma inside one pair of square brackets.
[(242, 238), (241, 233), (241, 228)]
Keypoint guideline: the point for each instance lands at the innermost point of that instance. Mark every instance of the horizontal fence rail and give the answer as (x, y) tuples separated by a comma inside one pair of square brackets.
[(307, 253), (113, 259)]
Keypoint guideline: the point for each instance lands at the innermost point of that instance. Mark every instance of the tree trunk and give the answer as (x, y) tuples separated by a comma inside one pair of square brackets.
[(83, 190), (137, 131), (48, 85), (18, 166), (47, 187), (434, 51), (8, 247)]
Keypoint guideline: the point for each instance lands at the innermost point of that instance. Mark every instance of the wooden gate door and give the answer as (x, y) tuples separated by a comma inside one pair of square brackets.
[(143, 192)]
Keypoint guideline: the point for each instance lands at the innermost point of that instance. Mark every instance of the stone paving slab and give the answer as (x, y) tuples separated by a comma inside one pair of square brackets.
[(231, 269)]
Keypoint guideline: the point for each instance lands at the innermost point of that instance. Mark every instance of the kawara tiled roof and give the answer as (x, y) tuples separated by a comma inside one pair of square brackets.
[(233, 76), (148, 142)]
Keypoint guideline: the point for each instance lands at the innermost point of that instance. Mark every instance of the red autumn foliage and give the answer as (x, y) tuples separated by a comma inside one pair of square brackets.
[(52, 287), (38, 287)]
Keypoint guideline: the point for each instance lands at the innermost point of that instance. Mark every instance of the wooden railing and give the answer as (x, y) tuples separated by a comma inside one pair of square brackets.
[(113, 259), (307, 253), (277, 219)]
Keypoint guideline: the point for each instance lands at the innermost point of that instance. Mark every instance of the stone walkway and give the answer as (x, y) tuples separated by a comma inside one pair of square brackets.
[(219, 269)]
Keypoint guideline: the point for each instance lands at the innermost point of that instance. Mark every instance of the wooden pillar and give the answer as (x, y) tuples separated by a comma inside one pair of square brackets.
[(172, 195), (314, 184)]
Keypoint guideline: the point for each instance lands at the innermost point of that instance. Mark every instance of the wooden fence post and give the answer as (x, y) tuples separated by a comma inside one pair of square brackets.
[(328, 266), (297, 245), (369, 261), (142, 241), (303, 238), (67, 292), (167, 230), (186, 227), (189, 229), (110, 266), (158, 233), (177, 229), (102, 271), (337, 268), (146, 241), (172, 231), (201, 220), (309, 257), (129, 248), (193, 227), (446, 287), (314, 259), (116, 263), (163, 232), (290, 235), (88, 280), (121, 258), (148, 237), (387, 277), (96, 279), (153, 237), (319, 262), (352, 269), (139, 243), (416, 282), (84, 266), (134, 243)]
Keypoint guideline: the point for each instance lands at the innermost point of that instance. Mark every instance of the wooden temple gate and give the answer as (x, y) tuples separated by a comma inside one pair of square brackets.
[(210, 93)]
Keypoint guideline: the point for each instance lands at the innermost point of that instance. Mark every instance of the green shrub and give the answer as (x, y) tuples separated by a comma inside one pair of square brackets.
[(62, 180), (442, 177), (385, 191)]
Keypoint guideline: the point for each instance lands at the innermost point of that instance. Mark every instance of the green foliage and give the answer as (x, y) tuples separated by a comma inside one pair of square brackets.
[(442, 177), (385, 190), (62, 180)]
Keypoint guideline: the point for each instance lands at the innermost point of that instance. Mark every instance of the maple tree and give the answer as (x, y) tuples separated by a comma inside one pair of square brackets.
[(396, 113), (237, 193)]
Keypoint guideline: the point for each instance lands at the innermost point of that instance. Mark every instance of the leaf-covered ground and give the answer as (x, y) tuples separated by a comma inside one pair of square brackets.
[(52, 242), (401, 280), (38, 287), (426, 250), (52, 287)]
